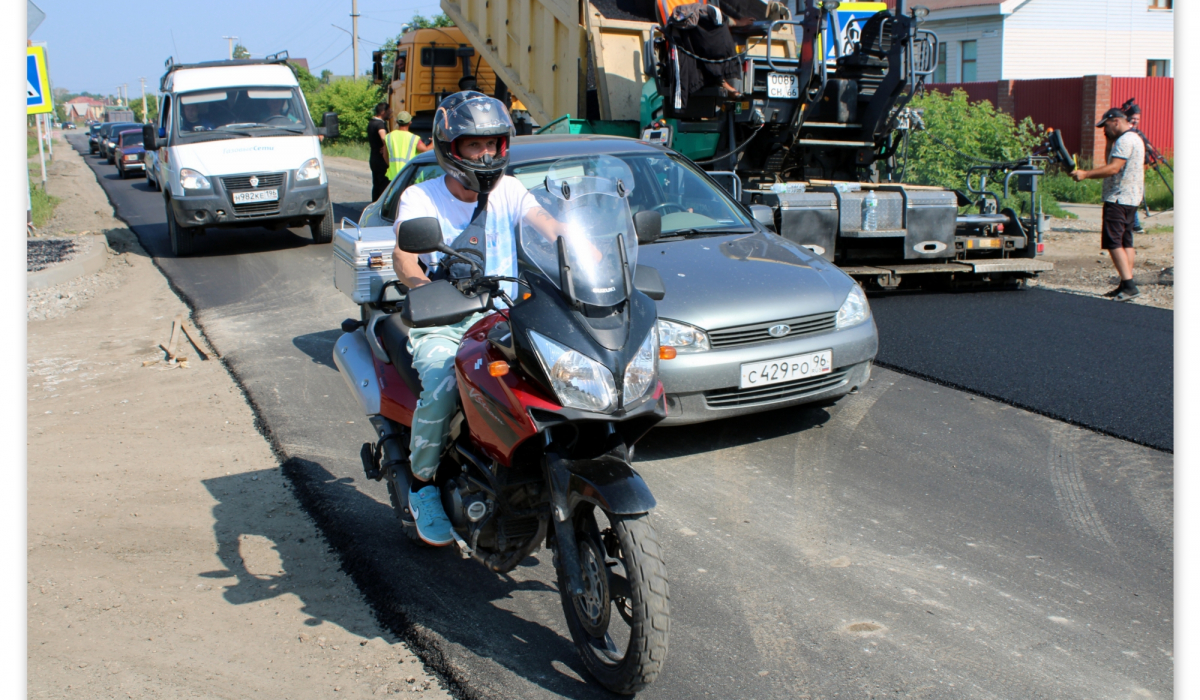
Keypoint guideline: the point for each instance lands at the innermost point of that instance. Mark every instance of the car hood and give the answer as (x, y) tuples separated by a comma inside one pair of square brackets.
[(721, 281), (247, 155)]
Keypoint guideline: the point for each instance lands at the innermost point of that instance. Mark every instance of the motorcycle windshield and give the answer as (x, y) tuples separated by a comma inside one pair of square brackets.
[(586, 200)]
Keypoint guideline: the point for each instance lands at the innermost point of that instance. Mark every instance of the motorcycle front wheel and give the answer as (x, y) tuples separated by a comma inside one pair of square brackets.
[(621, 622)]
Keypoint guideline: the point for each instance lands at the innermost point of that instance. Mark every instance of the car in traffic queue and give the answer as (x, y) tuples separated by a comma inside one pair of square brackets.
[(753, 321), (109, 140), (93, 137), (128, 153)]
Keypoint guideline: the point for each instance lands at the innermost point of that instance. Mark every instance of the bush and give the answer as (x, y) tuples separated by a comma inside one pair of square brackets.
[(354, 102)]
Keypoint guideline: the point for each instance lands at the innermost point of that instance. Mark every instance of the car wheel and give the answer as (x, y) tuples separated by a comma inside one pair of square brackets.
[(182, 237), (322, 228), (121, 172)]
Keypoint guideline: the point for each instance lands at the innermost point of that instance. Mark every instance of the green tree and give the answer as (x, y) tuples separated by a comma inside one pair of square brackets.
[(60, 112), (974, 128), (309, 85), (240, 51), (354, 102), (151, 108)]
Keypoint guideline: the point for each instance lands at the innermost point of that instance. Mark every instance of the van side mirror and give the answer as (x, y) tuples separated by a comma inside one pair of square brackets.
[(329, 125), (423, 235), (377, 66), (764, 215), (648, 225), (149, 140)]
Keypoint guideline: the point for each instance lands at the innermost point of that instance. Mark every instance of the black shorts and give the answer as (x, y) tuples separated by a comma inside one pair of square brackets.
[(1117, 229)]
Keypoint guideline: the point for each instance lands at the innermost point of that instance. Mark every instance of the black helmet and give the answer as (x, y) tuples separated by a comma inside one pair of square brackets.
[(472, 114)]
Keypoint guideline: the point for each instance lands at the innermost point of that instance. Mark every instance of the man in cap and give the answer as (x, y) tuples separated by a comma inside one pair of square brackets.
[(1123, 191), (402, 145), (378, 160)]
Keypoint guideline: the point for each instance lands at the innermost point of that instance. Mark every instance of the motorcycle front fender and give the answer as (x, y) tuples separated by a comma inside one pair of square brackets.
[(608, 482)]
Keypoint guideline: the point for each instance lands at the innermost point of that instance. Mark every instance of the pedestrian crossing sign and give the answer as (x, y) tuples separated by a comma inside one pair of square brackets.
[(37, 82)]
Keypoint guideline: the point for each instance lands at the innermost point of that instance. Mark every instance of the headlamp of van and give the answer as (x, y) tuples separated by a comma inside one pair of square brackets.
[(311, 170), (191, 180), (578, 381)]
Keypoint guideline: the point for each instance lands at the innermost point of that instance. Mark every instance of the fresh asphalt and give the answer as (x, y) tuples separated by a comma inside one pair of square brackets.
[(912, 540)]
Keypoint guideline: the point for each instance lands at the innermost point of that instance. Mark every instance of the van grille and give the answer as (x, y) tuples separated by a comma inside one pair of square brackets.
[(241, 183)]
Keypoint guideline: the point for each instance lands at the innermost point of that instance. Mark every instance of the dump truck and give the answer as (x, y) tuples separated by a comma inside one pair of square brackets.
[(806, 127)]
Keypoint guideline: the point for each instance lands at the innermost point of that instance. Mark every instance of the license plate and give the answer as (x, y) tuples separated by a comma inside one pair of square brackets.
[(256, 196), (782, 85), (786, 369)]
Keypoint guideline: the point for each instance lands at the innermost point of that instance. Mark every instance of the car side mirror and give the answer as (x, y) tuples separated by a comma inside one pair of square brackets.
[(149, 140), (423, 235), (329, 125), (647, 281), (764, 215), (648, 225)]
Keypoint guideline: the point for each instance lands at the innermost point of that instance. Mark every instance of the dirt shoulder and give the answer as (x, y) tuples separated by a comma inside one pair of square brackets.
[(167, 555), (1081, 267)]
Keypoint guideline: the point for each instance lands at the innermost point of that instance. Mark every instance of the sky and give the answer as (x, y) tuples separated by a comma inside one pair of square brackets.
[(95, 47)]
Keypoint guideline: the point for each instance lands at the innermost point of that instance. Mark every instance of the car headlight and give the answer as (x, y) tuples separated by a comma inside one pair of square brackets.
[(642, 369), (577, 380), (682, 337), (192, 180), (311, 170), (854, 310)]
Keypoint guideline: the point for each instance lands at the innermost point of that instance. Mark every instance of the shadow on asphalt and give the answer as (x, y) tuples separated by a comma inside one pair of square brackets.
[(456, 600), (669, 442), (319, 346)]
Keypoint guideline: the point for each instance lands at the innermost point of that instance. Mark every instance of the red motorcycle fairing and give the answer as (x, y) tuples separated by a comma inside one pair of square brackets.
[(396, 400), (496, 408)]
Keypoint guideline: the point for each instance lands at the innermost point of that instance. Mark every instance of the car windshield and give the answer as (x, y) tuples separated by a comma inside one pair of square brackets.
[(689, 203), (243, 111), (131, 138)]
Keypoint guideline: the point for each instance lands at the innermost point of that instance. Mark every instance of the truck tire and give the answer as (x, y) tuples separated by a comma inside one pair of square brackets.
[(322, 228), (182, 237)]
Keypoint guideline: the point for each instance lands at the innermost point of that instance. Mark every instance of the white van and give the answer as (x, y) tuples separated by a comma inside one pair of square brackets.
[(237, 148)]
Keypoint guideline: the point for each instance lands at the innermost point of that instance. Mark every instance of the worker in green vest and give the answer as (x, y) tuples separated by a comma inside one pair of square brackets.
[(402, 145)]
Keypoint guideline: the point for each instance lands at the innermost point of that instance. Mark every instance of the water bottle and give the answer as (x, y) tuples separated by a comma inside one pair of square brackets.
[(870, 212)]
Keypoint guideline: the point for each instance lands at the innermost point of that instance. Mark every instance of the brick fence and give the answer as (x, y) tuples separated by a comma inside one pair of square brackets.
[(1074, 105)]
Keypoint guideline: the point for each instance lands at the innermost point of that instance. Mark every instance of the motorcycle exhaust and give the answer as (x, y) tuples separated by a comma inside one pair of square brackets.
[(356, 364)]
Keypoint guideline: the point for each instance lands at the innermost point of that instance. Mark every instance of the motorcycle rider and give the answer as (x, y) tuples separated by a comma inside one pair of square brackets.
[(471, 139)]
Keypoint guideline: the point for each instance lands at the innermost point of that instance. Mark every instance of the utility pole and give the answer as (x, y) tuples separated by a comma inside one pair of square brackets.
[(354, 35), (125, 88), (231, 39), (145, 114)]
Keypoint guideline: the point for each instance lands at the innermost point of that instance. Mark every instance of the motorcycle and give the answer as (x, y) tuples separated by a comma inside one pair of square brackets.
[(556, 385)]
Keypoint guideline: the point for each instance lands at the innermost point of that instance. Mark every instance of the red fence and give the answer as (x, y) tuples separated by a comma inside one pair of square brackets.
[(1156, 97), (1059, 103)]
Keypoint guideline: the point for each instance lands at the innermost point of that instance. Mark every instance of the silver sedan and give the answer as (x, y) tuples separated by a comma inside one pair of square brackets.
[(754, 321)]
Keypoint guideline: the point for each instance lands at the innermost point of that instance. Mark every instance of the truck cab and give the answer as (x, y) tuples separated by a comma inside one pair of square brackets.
[(237, 148)]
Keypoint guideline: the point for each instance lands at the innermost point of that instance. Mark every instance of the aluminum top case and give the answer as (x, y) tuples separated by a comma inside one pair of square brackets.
[(362, 261)]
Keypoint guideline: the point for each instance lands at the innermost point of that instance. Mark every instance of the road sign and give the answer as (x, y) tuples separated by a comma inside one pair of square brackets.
[(850, 16), (37, 83)]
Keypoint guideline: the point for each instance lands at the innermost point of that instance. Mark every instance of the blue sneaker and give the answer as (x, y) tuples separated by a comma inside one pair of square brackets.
[(432, 524)]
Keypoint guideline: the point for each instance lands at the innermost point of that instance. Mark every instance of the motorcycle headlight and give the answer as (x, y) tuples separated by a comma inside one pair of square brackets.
[(311, 170), (642, 369), (682, 337), (577, 380), (191, 180), (854, 310)]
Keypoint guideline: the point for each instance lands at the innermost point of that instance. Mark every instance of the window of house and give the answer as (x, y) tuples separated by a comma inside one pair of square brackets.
[(1158, 68), (439, 58), (939, 73), (969, 61), (1161, 4)]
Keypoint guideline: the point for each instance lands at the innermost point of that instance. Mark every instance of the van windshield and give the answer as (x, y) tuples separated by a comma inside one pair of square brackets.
[(241, 112)]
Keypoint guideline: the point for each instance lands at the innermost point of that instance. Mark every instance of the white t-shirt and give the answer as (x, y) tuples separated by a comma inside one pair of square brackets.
[(507, 203), (1127, 186)]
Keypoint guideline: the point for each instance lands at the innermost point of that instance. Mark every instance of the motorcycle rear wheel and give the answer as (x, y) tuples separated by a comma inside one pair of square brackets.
[(620, 634)]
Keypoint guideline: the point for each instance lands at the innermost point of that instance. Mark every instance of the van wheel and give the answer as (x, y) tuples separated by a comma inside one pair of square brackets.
[(182, 237), (322, 228)]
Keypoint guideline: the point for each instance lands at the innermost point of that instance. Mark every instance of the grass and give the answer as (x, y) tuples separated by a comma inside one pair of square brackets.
[(358, 150), (43, 204), (1060, 186)]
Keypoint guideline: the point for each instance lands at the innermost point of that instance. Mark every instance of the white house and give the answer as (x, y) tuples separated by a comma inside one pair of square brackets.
[(986, 40)]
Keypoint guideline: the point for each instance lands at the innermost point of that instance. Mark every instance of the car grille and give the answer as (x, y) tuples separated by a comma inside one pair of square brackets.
[(241, 183), (757, 333), (729, 398)]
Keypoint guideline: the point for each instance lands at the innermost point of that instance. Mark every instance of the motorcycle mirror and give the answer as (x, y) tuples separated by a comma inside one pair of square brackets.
[(648, 225), (647, 281), (422, 235)]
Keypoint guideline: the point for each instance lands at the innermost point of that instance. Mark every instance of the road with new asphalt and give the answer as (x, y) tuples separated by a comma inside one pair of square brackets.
[(988, 518)]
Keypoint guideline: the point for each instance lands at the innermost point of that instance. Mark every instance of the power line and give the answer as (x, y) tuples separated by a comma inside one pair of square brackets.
[(334, 58)]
